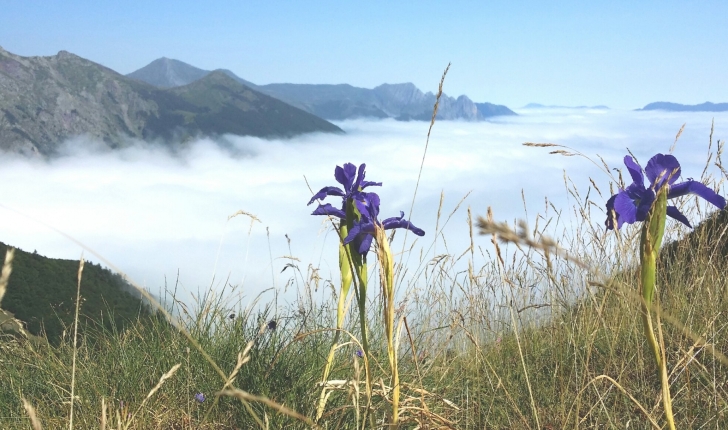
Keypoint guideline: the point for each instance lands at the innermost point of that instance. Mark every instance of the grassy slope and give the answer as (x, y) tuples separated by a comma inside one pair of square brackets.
[(462, 365)]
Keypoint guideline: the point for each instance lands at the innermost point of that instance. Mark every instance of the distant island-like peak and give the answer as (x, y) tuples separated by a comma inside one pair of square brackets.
[(677, 107)]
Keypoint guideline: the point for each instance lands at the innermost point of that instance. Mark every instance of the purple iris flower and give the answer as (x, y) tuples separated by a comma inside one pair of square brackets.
[(200, 397), (633, 203), (353, 183), (362, 232)]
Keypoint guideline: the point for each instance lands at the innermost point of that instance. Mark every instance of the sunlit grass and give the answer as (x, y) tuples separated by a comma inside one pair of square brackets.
[(461, 364)]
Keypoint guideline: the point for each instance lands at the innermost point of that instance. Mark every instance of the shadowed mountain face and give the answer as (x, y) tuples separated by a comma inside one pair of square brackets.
[(46, 100), (338, 102), (676, 107), (218, 102)]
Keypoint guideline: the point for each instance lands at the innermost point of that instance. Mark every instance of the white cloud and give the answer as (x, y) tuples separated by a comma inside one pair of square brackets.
[(152, 212)]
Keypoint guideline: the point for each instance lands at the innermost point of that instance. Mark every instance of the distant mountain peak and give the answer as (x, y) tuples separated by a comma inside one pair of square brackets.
[(169, 73), (63, 54)]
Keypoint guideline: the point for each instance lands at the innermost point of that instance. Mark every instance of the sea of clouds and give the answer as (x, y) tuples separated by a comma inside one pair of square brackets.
[(162, 216)]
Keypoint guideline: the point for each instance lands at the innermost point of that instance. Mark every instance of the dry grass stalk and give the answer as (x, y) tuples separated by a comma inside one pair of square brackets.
[(504, 233), (75, 342), (243, 395), (7, 269), (541, 145), (103, 413), (427, 144), (30, 410), (156, 388), (677, 136), (631, 397)]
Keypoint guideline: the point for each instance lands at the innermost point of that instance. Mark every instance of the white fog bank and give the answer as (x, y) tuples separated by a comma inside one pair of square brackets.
[(154, 214)]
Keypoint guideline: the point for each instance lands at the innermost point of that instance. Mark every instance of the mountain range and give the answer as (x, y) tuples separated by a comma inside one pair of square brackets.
[(46, 100), (335, 102)]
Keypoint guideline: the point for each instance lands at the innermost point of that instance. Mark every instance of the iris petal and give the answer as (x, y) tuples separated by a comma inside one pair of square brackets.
[(345, 175), (359, 178), (327, 209), (662, 169), (365, 184), (400, 222), (625, 207), (366, 244), (673, 212), (353, 232), (368, 205), (635, 171), (697, 188), (646, 198), (326, 191)]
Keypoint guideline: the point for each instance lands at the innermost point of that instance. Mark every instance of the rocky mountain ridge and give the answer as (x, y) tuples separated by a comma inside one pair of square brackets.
[(47, 100), (338, 102)]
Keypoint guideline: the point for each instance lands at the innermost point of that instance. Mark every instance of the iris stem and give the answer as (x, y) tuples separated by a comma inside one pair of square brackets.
[(652, 233), (386, 271), (346, 279)]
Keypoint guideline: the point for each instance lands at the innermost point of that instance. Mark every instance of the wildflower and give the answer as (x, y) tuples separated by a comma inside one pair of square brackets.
[(368, 206), (200, 397), (353, 183), (272, 325), (633, 203), (359, 353)]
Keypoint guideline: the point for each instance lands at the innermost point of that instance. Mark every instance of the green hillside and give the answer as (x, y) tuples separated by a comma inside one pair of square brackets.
[(42, 293)]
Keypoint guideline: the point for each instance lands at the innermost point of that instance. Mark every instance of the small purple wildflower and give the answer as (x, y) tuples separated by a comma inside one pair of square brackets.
[(272, 325), (632, 204), (368, 206), (359, 353), (353, 183), (200, 397)]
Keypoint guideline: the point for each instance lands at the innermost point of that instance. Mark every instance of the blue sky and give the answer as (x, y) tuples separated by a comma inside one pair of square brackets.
[(622, 54)]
